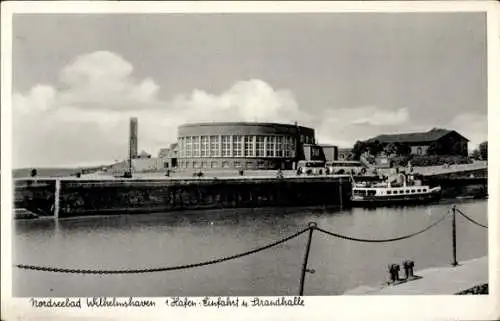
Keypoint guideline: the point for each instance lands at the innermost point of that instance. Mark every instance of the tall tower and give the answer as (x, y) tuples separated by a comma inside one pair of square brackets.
[(133, 148)]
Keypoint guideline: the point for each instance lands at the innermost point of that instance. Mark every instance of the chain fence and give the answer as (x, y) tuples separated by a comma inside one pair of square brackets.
[(399, 238), (161, 269), (312, 226), (470, 219)]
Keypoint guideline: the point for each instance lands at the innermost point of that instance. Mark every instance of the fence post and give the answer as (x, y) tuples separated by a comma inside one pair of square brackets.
[(57, 196), (312, 226), (340, 191), (454, 236)]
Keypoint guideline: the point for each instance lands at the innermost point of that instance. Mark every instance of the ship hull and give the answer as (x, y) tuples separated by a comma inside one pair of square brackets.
[(395, 200)]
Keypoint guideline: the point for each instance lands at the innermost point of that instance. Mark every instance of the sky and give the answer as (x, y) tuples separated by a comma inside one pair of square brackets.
[(78, 78)]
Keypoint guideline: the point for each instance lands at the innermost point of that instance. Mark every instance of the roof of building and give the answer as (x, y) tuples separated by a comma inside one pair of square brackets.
[(242, 123), (421, 137)]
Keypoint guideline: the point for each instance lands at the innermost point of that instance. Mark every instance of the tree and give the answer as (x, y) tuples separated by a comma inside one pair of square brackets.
[(34, 172), (375, 147), (391, 148), (475, 154), (359, 148), (483, 150)]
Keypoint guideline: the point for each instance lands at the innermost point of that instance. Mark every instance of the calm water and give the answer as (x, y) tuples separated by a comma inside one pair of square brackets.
[(170, 239)]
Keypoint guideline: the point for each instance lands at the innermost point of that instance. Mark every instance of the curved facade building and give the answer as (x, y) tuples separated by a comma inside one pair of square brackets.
[(242, 145)]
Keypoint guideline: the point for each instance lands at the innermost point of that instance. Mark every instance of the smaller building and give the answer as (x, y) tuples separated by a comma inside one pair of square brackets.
[(169, 155), (382, 161), (313, 152), (440, 141), (330, 152), (345, 154)]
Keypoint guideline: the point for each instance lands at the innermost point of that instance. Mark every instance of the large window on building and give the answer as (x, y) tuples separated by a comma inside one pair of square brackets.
[(259, 146), (270, 144), (196, 146), (188, 146), (249, 151), (226, 146), (237, 146), (279, 146), (289, 146), (181, 148), (204, 147), (214, 146)]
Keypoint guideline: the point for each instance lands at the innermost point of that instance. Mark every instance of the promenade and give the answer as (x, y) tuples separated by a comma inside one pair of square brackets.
[(249, 174), (441, 170), (435, 281), (423, 170)]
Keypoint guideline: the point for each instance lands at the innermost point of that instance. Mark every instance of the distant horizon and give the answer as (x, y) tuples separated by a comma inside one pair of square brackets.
[(77, 79), (155, 154)]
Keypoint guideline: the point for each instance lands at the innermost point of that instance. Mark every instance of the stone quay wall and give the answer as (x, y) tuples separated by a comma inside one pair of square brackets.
[(78, 197)]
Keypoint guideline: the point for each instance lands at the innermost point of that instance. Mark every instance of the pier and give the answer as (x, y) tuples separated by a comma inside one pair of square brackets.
[(94, 194), (66, 197)]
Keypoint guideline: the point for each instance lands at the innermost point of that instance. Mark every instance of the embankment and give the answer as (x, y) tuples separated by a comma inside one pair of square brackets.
[(78, 197)]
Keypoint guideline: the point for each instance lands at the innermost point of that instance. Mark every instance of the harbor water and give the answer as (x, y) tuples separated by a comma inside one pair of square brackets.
[(176, 238)]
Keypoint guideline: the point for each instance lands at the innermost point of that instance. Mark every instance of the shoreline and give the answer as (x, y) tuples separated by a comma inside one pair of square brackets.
[(442, 280)]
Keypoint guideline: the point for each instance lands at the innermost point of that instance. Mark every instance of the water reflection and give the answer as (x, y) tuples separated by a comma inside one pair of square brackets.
[(155, 240)]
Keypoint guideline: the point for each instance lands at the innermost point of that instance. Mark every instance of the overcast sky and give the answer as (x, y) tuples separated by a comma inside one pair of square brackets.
[(78, 78)]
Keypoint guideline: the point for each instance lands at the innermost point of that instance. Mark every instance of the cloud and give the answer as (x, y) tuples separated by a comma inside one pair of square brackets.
[(473, 126), (252, 100), (344, 126), (84, 117), (377, 117)]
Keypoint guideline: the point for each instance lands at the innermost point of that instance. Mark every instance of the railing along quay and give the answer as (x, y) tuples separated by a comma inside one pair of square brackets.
[(310, 229)]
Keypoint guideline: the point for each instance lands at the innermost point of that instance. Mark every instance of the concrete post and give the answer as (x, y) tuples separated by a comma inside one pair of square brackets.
[(312, 226), (454, 237), (57, 197)]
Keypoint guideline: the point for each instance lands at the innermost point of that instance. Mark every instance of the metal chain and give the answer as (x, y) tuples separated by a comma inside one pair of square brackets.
[(227, 258), (161, 269), (470, 219), (382, 240)]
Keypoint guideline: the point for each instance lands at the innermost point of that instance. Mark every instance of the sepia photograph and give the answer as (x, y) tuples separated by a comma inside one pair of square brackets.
[(274, 156)]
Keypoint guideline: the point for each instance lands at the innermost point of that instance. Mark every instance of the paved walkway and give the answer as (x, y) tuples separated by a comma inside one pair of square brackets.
[(439, 170), (440, 280)]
